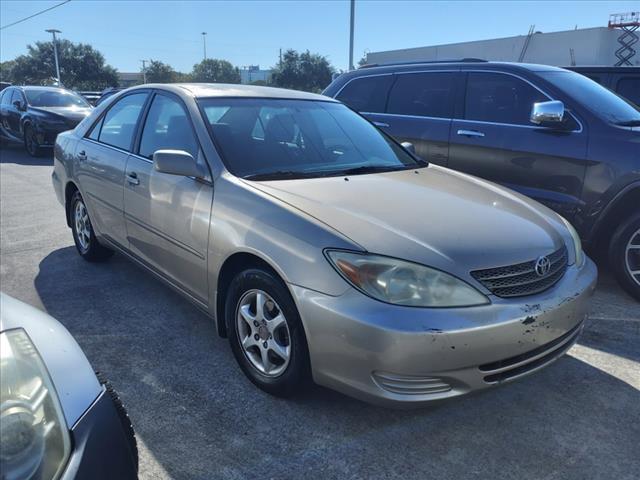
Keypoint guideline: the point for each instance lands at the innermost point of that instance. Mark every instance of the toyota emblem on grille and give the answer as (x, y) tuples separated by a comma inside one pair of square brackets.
[(543, 265)]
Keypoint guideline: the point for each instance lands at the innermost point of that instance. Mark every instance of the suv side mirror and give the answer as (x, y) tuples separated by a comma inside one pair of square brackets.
[(18, 105), (177, 162), (409, 147), (545, 113)]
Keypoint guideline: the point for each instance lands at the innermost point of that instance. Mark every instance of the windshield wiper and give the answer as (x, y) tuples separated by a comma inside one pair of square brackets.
[(280, 175), (371, 169), (629, 123)]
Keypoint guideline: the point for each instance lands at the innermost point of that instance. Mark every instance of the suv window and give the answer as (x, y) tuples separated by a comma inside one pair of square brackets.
[(500, 98), (18, 97), (367, 94), (6, 97), (423, 94), (167, 127), (119, 123), (629, 88)]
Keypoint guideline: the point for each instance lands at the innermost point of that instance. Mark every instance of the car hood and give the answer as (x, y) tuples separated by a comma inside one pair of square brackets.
[(433, 216), (69, 113)]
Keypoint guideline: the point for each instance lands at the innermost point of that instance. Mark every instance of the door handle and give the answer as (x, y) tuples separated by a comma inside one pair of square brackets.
[(470, 133), (132, 178), (82, 155), (381, 124)]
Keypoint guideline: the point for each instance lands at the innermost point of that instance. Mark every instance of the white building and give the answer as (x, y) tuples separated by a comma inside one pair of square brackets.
[(587, 46)]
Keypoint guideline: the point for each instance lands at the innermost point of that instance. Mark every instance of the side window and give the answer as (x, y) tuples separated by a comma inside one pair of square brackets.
[(367, 94), (6, 97), (95, 131), (629, 88), (499, 98), (119, 123), (17, 97), (423, 94), (167, 127)]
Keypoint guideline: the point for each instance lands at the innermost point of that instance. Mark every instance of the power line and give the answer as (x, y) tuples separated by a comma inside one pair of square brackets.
[(34, 15)]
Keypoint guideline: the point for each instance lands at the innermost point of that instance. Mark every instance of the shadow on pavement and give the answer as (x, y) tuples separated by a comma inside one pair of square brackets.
[(16, 154), (201, 418)]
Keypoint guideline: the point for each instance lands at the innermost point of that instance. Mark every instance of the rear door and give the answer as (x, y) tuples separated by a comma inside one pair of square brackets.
[(493, 138), (5, 101), (168, 216), (14, 114), (629, 88), (101, 158)]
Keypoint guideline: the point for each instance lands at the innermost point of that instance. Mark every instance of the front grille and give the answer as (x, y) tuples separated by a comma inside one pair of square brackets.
[(518, 365), (521, 279)]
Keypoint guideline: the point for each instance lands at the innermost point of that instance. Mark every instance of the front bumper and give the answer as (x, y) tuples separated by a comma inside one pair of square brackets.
[(100, 447), (394, 355)]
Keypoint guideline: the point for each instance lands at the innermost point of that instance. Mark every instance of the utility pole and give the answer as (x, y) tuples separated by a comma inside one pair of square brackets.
[(204, 43), (144, 71), (353, 12), (53, 31)]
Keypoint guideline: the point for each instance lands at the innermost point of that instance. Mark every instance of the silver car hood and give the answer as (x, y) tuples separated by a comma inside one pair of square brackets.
[(433, 216)]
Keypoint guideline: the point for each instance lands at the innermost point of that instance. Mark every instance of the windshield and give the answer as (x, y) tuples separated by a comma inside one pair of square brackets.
[(54, 98), (264, 139), (593, 96)]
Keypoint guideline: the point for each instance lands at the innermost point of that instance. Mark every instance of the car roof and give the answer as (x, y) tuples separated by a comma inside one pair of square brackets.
[(207, 90), (45, 88)]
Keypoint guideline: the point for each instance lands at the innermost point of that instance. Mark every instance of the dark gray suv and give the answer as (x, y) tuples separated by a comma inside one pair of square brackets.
[(546, 132)]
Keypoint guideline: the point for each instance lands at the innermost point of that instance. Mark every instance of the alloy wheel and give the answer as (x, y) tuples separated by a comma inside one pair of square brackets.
[(632, 257), (31, 141), (83, 225), (263, 333)]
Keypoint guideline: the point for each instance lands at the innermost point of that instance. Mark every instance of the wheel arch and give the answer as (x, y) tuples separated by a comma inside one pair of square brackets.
[(234, 264), (623, 205), (69, 189)]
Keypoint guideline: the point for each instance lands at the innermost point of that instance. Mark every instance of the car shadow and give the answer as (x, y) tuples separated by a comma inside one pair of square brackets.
[(200, 418), (16, 154)]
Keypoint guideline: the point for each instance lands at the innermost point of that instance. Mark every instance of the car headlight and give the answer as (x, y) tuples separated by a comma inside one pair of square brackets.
[(403, 283), (34, 439), (577, 243)]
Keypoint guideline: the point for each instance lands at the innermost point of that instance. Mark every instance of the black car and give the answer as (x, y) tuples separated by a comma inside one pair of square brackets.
[(548, 133), (625, 81), (35, 116)]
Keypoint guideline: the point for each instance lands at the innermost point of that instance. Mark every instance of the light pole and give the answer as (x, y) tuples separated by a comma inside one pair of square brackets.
[(204, 43), (353, 12), (144, 71), (53, 31)]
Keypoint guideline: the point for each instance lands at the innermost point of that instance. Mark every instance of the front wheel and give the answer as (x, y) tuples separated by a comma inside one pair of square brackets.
[(31, 143), (83, 236), (624, 255), (265, 332)]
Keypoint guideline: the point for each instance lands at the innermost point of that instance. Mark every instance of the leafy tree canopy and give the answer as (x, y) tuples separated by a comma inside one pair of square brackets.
[(81, 67), (215, 71), (302, 71), (159, 72)]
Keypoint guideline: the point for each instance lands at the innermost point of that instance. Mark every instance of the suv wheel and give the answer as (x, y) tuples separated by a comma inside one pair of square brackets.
[(624, 255), (265, 332), (31, 142), (83, 236)]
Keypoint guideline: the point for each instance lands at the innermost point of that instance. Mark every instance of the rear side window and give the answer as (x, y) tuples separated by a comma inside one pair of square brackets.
[(6, 97), (167, 127), (367, 94), (423, 94), (629, 88), (119, 123), (499, 98)]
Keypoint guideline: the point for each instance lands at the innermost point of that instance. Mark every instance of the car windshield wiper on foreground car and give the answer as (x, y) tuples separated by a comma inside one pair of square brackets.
[(370, 169), (629, 123), (280, 175)]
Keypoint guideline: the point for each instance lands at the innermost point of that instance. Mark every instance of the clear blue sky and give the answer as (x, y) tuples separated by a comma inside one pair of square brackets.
[(251, 32)]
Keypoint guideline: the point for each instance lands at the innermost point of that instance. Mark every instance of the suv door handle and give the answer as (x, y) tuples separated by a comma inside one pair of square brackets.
[(381, 124), (82, 155), (470, 133), (132, 178)]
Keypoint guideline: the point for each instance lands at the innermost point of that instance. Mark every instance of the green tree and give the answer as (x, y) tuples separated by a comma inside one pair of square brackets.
[(302, 71), (6, 71), (81, 66), (215, 71), (159, 72)]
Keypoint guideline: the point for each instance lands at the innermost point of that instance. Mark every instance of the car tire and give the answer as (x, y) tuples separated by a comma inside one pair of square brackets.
[(123, 416), (86, 242), (624, 255), (265, 337), (31, 144)]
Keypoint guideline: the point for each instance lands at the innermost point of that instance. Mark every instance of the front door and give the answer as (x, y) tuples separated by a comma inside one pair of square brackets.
[(102, 158), (168, 216), (495, 140)]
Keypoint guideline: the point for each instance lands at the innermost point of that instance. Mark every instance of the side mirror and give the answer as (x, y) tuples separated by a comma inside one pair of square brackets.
[(18, 105), (177, 162), (551, 112), (409, 147)]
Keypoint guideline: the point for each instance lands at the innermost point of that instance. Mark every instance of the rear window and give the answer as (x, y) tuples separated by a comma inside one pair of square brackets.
[(367, 94), (629, 88), (423, 94)]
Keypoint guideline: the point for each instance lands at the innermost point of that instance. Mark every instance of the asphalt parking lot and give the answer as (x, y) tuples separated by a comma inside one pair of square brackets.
[(198, 417)]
